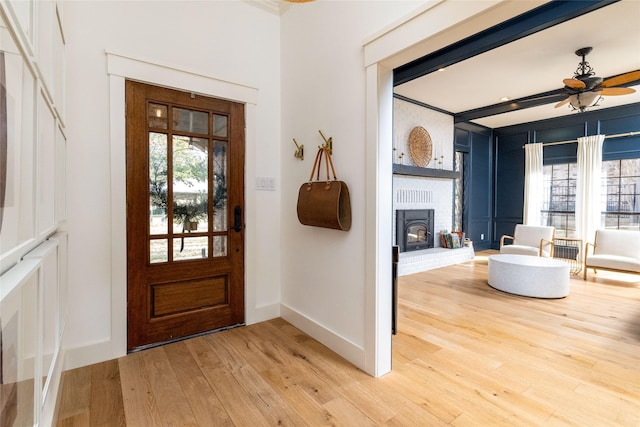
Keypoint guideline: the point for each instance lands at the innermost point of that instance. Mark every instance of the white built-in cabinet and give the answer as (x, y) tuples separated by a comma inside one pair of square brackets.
[(33, 238)]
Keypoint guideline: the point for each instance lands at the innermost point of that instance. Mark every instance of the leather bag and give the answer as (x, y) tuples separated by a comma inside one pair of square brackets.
[(324, 203)]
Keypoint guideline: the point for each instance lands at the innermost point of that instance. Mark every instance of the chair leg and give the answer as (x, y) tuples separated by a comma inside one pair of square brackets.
[(584, 277)]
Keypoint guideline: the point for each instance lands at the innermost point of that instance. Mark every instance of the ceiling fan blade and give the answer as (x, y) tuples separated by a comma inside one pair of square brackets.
[(574, 83), (613, 91), (621, 79), (561, 103)]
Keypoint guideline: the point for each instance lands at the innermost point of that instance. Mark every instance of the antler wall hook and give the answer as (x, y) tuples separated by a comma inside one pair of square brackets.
[(328, 143), (299, 154)]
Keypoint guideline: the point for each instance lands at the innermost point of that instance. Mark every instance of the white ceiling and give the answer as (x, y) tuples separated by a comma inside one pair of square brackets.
[(536, 64)]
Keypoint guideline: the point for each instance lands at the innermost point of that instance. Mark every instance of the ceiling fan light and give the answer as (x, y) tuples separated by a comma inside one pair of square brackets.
[(580, 101)]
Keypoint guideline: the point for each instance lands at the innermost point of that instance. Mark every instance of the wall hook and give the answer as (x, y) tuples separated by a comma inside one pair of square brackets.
[(299, 154), (328, 143)]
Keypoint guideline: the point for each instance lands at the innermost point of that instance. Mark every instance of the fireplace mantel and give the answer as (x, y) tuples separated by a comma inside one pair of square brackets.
[(424, 172)]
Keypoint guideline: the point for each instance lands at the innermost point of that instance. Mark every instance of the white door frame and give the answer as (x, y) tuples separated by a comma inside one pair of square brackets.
[(121, 67), (435, 25)]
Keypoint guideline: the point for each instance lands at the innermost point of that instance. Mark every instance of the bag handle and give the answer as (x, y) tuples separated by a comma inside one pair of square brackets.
[(330, 162), (317, 165)]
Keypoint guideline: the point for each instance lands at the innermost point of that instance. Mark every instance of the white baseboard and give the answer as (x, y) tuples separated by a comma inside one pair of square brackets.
[(110, 349), (262, 314), (345, 348), (92, 353)]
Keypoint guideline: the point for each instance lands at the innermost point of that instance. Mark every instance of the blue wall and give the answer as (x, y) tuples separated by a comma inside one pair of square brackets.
[(475, 142), (508, 155)]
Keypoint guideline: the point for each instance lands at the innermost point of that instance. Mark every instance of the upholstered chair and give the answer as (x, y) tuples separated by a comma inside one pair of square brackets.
[(529, 240), (615, 250)]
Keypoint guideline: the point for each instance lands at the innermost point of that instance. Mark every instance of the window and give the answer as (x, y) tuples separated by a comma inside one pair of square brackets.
[(621, 194), (559, 204)]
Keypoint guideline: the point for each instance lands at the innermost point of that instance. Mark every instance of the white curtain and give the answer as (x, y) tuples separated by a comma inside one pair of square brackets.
[(533, 184), (588, 187)]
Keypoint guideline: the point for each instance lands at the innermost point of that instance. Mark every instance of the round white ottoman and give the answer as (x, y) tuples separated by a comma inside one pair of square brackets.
[(530, 276)]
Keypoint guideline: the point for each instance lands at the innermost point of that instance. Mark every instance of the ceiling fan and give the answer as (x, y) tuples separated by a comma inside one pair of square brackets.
[(585, 89)]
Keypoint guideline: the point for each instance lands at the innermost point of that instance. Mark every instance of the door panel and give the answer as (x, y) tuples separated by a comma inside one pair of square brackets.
[(185, 171)]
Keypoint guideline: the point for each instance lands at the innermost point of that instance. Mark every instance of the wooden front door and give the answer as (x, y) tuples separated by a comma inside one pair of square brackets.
[(185, 205)]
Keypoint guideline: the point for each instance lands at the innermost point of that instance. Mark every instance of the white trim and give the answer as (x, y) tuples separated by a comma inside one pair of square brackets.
[(379, 185), (142, 69), (118, 190), (273, 6), (400, 22), (120, 68), (345, 348), (439, 24)]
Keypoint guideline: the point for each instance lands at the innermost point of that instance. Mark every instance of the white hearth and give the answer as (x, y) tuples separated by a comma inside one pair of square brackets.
[(429, 259)]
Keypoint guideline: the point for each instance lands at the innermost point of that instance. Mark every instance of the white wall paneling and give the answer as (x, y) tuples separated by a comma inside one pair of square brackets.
[(18, 212), (51, 256), (59, 65), (60, 177), (23, 16), (46, 167), (34, 270), (18, 308), (32, 355), (46, 27)]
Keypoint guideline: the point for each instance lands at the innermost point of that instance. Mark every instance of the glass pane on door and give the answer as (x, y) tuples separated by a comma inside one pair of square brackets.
[(219, 125), (190, 248), (219, 246), (190, 121), (157, 183), (190, 184), (220, 222), (158, 116), (158, 250)]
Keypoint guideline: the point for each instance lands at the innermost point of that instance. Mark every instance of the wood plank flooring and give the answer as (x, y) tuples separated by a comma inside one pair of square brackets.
[(465, 355)]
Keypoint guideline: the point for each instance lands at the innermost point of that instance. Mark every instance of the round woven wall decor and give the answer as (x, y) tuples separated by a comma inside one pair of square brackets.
[(420, 146)]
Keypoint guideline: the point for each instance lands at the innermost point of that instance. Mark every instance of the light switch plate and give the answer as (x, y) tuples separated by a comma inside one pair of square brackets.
[(265, 183)]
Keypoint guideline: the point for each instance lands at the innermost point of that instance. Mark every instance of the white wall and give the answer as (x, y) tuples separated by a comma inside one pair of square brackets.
[(323, 88), (329, 283), (211, 41)]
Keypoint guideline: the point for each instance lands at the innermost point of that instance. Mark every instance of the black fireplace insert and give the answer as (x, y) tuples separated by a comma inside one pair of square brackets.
[(414, 229)]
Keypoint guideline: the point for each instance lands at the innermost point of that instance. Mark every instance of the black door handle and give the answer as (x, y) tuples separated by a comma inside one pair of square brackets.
[(237, 219)]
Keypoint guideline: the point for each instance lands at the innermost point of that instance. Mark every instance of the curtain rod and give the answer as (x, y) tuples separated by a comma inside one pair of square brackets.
[(619, 135)]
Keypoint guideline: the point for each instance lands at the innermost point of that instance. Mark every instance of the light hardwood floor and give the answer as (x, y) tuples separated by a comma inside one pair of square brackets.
[(465, 355)]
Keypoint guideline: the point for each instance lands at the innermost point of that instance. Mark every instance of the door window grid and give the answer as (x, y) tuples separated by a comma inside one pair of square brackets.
[(173, 176)]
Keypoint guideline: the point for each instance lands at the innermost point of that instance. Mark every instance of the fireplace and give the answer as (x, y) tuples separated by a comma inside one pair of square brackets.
[(414, 229)]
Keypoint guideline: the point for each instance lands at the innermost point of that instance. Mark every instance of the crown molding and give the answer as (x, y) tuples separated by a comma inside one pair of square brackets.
[(277, 7)]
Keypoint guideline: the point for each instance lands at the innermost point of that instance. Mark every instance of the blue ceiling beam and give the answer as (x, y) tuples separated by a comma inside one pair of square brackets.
[(538, 19), (550, 97)]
